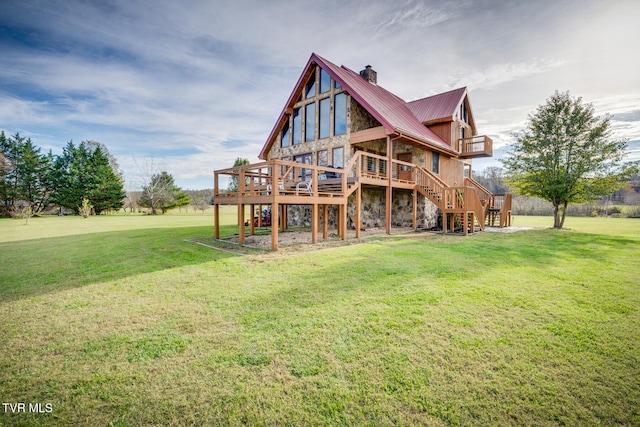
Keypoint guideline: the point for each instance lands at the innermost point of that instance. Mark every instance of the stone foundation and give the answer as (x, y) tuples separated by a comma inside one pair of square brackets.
[(373, 210)]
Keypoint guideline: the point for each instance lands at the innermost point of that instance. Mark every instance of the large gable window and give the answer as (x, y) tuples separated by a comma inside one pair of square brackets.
[(324, 122), (325, 81), (286, 135), (310, 122), (297, 126), (340, 114), (310, 90)]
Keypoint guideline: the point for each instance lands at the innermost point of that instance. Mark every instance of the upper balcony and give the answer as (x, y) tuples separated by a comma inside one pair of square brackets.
[(475, 146)]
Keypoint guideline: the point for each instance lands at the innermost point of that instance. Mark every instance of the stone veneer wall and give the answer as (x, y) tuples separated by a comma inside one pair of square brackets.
[(374, 212)]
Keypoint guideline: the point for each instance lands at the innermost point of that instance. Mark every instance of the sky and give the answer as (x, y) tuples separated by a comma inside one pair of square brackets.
[(189, 86)]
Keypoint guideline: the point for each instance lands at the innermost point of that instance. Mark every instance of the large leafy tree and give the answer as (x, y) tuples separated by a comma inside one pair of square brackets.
[(85, 172), (161, 194), (566, 155), (24, 175)]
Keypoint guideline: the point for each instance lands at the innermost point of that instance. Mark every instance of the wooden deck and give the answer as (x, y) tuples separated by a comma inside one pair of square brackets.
[(278, 183)]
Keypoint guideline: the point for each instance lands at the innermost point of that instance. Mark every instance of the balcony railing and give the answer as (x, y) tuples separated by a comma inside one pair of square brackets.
[(476, 146)]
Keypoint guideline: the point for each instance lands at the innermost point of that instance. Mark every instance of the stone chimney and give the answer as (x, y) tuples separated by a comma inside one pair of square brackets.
[(369, 74)]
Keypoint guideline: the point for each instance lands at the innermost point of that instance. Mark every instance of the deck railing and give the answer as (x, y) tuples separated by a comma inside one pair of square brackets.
[(282, 178), (475, 146), (431, 186)]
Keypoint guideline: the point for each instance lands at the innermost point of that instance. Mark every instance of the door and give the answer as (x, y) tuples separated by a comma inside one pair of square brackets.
[(404, 171)]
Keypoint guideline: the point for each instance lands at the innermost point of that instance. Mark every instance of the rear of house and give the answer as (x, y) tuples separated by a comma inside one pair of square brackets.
[(345, 151)]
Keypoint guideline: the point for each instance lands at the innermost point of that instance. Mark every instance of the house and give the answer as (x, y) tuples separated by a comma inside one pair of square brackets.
[(345, 151)]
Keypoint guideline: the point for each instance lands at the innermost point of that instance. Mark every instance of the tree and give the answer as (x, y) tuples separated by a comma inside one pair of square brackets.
[(566, 155), (24, 176), (84, 172), (492, 178), (233, 182), (161, 193)]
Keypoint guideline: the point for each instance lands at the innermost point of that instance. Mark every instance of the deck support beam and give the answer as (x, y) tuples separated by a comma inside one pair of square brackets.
[(252, 227), (389, 193), (325, 221), (241, 223), (358, 223), (274, 226), (415, 209), (216, 221), (315, 218)]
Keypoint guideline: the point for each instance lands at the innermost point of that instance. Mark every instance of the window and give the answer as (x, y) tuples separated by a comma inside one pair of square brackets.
[(297, 126), (286, 135), (337, 85), (340, 114), (303, 174), (310, 122), (338, 157), (310, 90), (325, 107), (322, 158), (325, 81), (435, 162)]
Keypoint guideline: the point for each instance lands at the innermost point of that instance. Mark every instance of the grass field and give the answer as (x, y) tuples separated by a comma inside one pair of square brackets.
[(117, 320)]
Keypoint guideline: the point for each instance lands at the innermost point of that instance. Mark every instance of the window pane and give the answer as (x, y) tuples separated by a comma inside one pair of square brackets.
[(337, 85), (303, 174), (323, 158), (286, 134), (325, 107), (310, 122), (338, 157), (435, 162), (311, 87), (297, 126), (340, 114), (325, 81)]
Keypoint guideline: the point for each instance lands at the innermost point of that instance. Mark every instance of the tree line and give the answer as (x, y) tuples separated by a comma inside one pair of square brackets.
[(85, 179)]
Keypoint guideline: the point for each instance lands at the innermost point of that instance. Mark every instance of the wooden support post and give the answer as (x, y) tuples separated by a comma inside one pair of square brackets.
[(283, 218), (358, 214), (252, 227), (465, 222), (344, 222), (387, 210), (444, 222), (314, 223), (216, 208), (241, 223), (260, 216), (325, 221), (415, 209), (274, 226), (389, 194), (216, 220)]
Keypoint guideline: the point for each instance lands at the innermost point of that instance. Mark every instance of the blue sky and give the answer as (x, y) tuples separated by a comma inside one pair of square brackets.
[(189, 86)]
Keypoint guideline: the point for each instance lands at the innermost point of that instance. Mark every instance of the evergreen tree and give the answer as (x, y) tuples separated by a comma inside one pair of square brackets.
[(82, 172), (24, 175)]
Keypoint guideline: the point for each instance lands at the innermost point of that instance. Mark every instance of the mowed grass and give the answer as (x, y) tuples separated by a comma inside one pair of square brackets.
[(120, 321)]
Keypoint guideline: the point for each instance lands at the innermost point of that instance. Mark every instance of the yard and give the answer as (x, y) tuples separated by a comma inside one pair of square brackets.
[(118, 320)]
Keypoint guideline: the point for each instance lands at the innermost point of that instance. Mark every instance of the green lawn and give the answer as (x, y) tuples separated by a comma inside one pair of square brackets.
[(117, 320)]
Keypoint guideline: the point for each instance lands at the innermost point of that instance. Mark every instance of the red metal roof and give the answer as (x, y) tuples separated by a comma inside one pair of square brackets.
[(390, 110), (437, 107)]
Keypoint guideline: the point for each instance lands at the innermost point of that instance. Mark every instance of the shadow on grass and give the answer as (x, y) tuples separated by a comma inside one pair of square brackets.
[(388, 267), (39, 266)]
